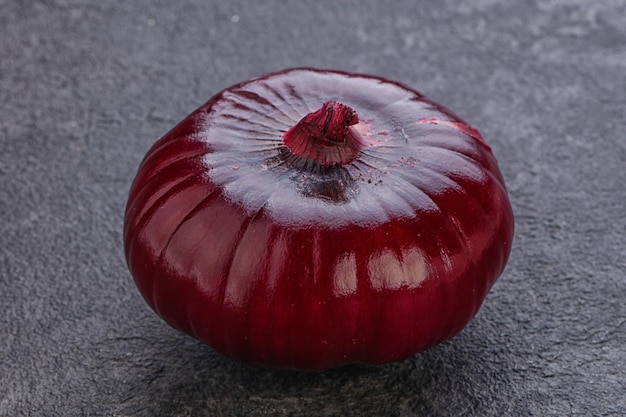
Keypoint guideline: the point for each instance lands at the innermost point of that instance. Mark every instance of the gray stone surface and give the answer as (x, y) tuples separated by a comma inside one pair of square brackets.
[(87, 87)]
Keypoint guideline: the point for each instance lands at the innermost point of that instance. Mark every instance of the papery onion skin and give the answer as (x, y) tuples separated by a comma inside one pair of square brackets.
[(278, 261)]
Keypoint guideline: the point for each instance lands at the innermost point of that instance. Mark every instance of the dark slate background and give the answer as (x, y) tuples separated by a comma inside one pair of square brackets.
[(87, 87)]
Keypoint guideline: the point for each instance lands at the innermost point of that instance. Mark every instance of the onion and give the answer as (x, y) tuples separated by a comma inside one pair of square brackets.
[(307, 219)]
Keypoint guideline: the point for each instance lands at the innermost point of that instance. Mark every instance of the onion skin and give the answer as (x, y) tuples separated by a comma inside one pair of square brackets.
[(277, 260)]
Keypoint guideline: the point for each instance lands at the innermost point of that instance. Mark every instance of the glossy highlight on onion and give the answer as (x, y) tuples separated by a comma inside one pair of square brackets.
[(307, 219)]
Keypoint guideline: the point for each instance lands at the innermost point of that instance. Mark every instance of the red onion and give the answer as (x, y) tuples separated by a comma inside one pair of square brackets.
[(307, 219)]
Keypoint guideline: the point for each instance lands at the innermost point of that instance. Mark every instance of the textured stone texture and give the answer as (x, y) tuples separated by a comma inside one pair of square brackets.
[(87, 87)]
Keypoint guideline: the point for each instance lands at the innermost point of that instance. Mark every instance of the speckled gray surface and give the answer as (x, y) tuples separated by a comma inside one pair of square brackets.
[(87, 87)]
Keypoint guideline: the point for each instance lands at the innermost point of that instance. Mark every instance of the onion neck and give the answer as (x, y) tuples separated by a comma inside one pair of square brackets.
[(325, 136)]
